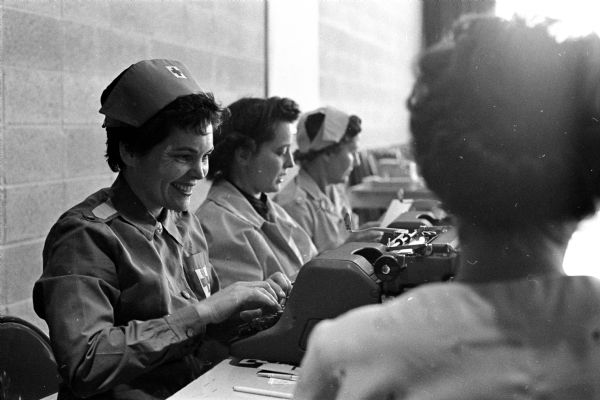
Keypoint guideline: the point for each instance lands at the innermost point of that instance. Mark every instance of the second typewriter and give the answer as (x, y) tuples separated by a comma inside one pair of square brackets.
[(353, 275)]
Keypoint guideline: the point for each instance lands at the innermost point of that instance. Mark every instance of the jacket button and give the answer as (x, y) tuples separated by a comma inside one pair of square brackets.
[(186, 294), (159, 228)]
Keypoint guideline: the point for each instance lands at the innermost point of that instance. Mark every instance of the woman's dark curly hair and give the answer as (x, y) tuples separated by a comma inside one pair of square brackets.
[(193, 111), (248, 123), (313, 124), (505, 125)]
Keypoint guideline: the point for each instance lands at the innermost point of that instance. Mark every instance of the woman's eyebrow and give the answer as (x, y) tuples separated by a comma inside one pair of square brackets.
[(190, 149)]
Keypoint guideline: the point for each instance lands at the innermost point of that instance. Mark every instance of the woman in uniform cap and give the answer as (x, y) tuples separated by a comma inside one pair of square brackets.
[(251, 235), (127, 287), (316, 198)]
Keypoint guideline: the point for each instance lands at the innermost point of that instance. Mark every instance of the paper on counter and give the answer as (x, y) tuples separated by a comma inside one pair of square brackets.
[(395, 208)]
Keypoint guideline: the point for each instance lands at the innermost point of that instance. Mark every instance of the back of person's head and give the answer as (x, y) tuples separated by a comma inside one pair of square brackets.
[(506, 125), (149, 99), (249, 122), (324, 130)]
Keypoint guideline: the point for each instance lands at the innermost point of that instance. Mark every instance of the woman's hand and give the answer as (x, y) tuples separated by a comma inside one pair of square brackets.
[(366, 236), (281, 284), (238, 297)]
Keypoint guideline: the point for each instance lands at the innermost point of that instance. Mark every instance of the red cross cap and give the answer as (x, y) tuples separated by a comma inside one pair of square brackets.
[(144, 89), (176, 71)]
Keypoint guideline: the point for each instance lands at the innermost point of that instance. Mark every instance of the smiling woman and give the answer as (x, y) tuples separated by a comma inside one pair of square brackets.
[(167, 174), (128, 290), (250, 236)]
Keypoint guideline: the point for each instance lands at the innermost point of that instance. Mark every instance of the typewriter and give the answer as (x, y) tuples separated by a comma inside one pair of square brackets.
[(353, 275)]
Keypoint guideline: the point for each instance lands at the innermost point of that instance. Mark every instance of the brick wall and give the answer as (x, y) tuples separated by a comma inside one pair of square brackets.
[(56, 57), (366, 53)]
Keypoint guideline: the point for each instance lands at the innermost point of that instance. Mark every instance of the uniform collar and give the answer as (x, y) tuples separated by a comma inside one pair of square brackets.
[(131, 209), (309, 185), (229, 197), (261, 205)]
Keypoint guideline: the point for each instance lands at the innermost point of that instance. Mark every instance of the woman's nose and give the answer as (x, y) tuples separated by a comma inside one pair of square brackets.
[(200, 169), (289, 160), (356, 161)]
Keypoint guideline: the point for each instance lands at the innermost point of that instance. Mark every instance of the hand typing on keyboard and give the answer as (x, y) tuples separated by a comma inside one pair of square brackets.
[(259, 323), (261, 319), (280, 284)]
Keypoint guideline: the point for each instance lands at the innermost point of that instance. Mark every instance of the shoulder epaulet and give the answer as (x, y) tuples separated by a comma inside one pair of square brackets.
[(104, 211)]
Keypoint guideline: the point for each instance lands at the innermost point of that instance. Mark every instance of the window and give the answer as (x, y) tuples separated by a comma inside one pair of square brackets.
[(578, 17)]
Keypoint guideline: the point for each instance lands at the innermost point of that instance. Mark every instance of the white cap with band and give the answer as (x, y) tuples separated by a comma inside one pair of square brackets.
[(331, 132)]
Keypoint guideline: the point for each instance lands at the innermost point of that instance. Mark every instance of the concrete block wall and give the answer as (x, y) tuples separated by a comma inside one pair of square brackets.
[(366, 54), (56, 57)]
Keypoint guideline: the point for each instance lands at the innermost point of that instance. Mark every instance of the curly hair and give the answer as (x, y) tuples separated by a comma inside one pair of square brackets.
[(193, 111), (248, 123), (313, 124), (505, 129)]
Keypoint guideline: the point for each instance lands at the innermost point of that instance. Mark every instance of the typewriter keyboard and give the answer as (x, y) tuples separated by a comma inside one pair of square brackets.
[(261, 323), (258, 324)]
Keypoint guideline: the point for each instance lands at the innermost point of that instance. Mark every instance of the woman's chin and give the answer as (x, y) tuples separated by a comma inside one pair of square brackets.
[(274, 188)]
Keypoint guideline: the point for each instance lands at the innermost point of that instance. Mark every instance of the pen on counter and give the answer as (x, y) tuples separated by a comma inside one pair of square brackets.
[(288, 377), (263, 392)]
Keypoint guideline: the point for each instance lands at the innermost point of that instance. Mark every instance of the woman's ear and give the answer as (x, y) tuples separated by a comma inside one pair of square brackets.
[(129, 158), (326, 156)]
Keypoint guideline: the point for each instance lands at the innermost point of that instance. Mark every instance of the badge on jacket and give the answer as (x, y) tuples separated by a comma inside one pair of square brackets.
[(202, 274)]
